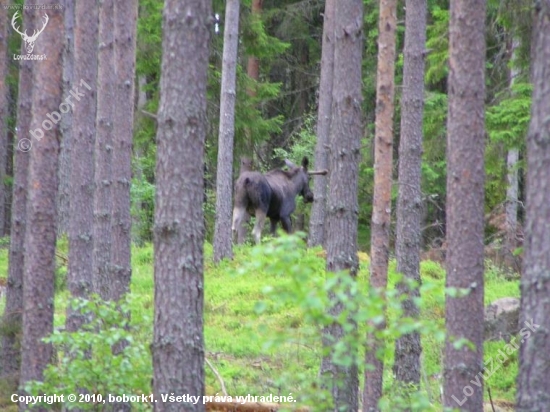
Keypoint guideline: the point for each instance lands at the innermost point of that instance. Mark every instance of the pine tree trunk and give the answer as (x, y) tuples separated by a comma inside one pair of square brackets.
[(40, 236), (224, 186), (13, 312), (383, 167), (79, 276), (409, 202), (512, 176), (4, 113), (103, 150), (178, 346), (318, 210), (253, 65), (465, 198), (532, 389), (63, 198), (125, 51), (346, 130)]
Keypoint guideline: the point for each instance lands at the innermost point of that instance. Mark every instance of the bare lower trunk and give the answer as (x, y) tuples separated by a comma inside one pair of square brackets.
[(79, 276), (534, 357), (63, 198), (222, 234), (512, 189), (103, 151), (4, 113), (318, 210), (345, 140), (178, 345), (383, 168), (13, 312), (40, 236), (125, 49), (409, 203), (465, 198)]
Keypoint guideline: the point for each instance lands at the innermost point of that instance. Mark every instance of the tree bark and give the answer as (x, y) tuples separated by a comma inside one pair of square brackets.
[(125, 51), (40, 236), (13, 312), (346, 129), (63, 198), (465, 198), (318, 210), (532, 390), (4, 114), (383, 167), (512, 177), (224, 186), (103, 150), (178, 346), (409, 202), (79, 276), (253, 65)]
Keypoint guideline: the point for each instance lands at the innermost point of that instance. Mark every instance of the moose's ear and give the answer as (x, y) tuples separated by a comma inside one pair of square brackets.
[(305, 162), (289, 164)]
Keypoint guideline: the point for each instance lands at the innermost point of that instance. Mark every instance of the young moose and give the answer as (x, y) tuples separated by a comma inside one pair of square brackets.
[(271, 195)]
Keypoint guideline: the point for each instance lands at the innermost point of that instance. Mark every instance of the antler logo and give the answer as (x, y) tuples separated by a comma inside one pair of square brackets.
[(29, 40)]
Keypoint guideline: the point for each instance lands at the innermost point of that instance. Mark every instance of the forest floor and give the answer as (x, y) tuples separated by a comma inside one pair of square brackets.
[(259, 343)]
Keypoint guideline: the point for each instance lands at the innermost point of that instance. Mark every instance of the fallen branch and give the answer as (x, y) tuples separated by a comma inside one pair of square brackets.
[(248, 407), (217, 376), (149, 114)]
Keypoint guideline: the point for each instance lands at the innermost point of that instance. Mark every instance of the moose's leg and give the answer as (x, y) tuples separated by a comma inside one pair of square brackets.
[(287, 224), (260, 220), (240, 218), (273, 225)]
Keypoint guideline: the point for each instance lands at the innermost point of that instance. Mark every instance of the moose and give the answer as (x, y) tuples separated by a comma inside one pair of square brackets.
[(270, 195)]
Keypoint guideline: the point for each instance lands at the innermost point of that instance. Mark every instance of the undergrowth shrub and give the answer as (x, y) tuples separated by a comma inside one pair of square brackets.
[(86, 360), (314, 291)]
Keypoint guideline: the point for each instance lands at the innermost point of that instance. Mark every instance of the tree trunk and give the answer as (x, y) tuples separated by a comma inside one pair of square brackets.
[(532, 390), (346, 130), (63, 207), (383, 167), (103, 150), (224, 186), (79, 276), (13, 312), (512, 178), (253, 66), (4, 113), (178, 346), (318, 210), (125, 51), (40, 236), (465, 197), (409, 202)]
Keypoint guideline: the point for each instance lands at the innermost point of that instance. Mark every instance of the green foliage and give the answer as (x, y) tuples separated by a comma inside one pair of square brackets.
[(301, 144), (322, 299), (87, 361), (508, 120), (438, 45), (142, 197)]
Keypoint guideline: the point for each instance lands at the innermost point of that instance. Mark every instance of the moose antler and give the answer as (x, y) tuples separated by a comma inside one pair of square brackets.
[(318, 172)]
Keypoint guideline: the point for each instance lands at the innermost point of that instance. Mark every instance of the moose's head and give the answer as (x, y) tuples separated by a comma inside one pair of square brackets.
[(300, 176), (29, 40)]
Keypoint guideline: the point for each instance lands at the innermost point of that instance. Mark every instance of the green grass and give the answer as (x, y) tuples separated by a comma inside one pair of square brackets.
[(277, 351)]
